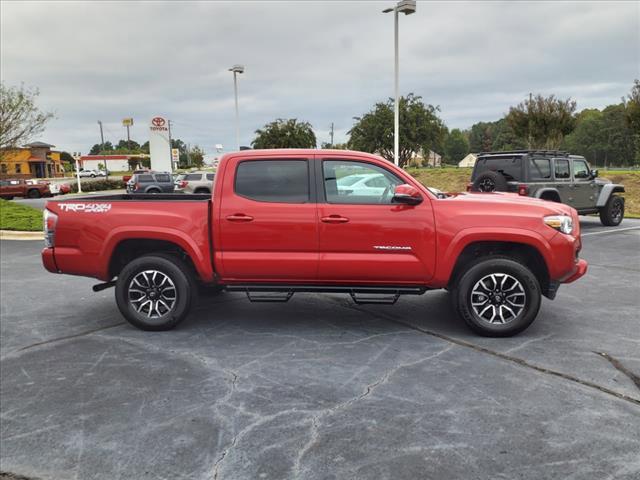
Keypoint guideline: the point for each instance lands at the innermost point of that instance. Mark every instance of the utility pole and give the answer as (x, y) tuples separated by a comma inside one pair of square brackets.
[(331, 134), (529, 118), (101, 150), (170, 146)]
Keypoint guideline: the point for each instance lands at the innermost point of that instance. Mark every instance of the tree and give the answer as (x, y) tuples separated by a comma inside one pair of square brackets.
[(481, 137), (20, 118), (127, 146), (632, 115), (144, 148), (103, 149), (197, 156), (335, 146), (285, 133), (66, 157), (542, 122), (421, 129), (456, 146)]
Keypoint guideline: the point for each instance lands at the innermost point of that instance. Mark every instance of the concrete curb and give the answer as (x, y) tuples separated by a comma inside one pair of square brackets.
[(16, 235)]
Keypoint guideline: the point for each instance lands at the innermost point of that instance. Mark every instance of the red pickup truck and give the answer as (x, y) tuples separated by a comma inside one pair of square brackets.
[(286, 221)]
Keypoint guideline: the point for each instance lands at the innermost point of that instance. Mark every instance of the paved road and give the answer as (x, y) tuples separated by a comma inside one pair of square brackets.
[(320, 388)]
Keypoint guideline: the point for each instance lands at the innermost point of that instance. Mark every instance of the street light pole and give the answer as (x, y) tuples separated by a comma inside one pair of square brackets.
[(237, 69), (407, 7)]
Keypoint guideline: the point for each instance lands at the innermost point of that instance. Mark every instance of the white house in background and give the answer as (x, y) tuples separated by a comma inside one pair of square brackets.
[(113, 163), (468, 161)]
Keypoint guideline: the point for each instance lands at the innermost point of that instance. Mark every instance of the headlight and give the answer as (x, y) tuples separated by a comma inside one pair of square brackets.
[(562, 223)]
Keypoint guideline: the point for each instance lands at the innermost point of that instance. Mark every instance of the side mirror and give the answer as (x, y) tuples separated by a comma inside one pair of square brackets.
[(407, 194), (594, 173)]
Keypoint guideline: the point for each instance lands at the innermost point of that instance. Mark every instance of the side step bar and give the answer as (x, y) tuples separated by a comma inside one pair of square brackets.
[(361, 295)]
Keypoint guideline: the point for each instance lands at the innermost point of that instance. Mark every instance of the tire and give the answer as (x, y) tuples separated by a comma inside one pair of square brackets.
[(612, 213), (135, 277), (502, 313), (93, 175), (33, 194), (490, 182), (153, 191)]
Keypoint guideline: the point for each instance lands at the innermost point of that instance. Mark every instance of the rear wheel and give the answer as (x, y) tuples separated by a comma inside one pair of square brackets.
[(155, 292), (613, 212), (497, 297), (153, 190), (33, 193)]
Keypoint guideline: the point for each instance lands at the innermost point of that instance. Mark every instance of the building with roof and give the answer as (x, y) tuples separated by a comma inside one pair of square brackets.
[(34, 160), (468, 161), (113, 163)]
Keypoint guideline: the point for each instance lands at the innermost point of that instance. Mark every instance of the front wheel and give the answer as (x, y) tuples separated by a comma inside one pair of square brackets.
[(612, 213), (497, 297), (155, 292)]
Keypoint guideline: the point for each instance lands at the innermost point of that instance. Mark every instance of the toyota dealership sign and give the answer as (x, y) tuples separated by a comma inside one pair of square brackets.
[(159, 146)]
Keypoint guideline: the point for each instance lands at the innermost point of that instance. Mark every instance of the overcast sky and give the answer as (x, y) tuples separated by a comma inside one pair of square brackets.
[(321, 62)]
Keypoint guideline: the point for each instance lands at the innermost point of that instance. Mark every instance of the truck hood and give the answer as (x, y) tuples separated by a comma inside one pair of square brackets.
[(496, 200)]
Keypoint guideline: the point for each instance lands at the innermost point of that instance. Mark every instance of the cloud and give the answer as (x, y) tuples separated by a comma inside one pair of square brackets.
[(321, 62)]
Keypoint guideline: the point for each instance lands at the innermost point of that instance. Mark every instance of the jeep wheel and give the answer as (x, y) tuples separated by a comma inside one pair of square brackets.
[(613, 212), (497, 297), (490, 182), (155, 292)]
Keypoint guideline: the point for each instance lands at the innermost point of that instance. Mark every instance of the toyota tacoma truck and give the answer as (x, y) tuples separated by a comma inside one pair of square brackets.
[(285, 221)]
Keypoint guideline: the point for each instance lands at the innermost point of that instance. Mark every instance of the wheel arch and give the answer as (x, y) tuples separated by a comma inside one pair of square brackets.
[(606, 192), (551, 194), (526, 250)]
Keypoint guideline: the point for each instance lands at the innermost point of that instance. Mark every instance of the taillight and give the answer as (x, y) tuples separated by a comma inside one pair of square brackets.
[(136, 186), (183, 184), (469, 186), (523, 190), (50, 220)]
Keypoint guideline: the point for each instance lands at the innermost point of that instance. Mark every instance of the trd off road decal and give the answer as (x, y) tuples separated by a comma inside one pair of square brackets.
[(85, 207)]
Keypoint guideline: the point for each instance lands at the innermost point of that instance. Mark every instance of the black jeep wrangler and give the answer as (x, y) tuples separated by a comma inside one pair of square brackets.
[(550, 175)]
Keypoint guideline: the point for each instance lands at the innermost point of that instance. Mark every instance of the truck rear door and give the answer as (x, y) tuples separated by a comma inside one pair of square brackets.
[(267, 223)]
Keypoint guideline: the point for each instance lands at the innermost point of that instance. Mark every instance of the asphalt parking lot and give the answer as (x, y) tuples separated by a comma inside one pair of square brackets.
[(320, 388)]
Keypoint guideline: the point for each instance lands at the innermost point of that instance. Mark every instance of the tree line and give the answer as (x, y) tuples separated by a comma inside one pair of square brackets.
[(610, 137)]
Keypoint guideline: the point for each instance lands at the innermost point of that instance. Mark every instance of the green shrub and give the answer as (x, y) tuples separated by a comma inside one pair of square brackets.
[(98, 185)]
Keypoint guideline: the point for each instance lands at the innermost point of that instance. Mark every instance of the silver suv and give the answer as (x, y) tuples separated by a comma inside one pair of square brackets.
[(194, 182)]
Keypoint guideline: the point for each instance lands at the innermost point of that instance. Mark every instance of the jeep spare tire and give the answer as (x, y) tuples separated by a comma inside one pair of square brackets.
[(490, 182)]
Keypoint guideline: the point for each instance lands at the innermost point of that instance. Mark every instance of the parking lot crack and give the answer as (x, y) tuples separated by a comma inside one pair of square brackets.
[(621, 368), (519, 361)]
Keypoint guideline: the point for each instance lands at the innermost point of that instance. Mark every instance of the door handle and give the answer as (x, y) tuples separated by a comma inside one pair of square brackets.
[(239, 217), (334, 219)]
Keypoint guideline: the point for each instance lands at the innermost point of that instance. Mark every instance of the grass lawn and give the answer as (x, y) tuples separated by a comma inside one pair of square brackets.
[(453, 179), (14, 216)]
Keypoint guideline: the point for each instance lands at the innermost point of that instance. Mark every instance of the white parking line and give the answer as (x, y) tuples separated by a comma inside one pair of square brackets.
[(610, 231)]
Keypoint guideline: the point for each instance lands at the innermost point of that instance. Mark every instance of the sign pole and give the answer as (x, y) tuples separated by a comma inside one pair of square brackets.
[(78, 176)]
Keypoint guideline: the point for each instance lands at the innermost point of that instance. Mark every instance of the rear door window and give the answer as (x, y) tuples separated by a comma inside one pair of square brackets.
[(540, 169), (163, 178), (144, 178), (280, 181), (562, 169), (510, 167), (193, 177)]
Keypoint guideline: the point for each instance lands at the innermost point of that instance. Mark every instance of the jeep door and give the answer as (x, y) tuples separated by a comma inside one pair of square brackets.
[(366, 238), (583, 185), (562, 180)]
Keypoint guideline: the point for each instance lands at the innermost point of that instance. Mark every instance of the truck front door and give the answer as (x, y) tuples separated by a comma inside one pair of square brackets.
[(267, 229), (365, 238)]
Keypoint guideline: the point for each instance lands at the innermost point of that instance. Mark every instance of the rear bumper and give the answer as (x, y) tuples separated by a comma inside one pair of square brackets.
[(49, 261), (581, 269)]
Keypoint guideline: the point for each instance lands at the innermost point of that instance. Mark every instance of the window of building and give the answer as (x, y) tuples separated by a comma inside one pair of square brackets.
[(3, 168), (18, 168), (282, 181)]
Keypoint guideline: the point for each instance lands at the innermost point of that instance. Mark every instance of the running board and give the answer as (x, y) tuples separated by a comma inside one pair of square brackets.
[(361, 295)]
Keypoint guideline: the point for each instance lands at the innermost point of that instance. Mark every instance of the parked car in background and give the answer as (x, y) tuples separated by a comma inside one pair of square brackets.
[(126, 178), (362, 184), (20, 188), (195, 182), (151, 183), (93, 173), (550, 175)]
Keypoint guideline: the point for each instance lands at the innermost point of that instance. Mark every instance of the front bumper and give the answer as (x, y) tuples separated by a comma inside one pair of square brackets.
[(581, 269)]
